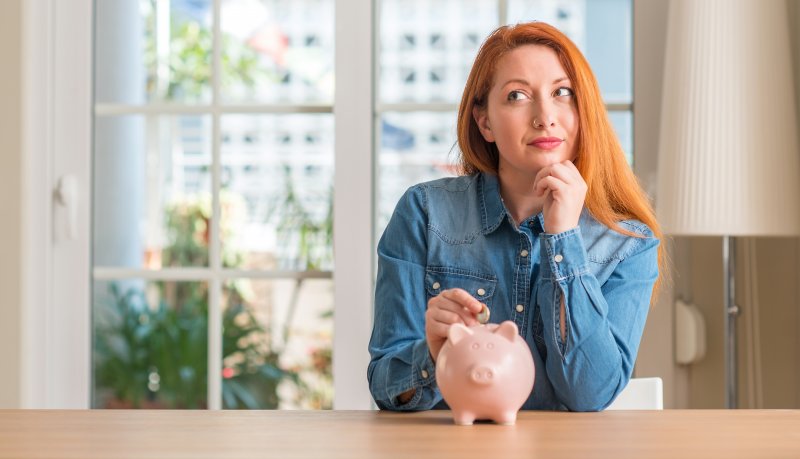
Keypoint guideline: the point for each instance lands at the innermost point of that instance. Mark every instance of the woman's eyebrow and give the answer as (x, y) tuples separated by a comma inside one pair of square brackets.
[(516, 80), (525, 82)]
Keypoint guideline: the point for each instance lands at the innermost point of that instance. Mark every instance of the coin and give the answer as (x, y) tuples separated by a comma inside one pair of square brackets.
[(483, 316)]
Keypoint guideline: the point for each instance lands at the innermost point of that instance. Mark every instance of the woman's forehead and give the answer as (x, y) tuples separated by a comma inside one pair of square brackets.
[(529, 61)]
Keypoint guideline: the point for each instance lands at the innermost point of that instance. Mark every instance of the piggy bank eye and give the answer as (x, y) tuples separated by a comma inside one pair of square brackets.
[(489, 345), (476, 345)]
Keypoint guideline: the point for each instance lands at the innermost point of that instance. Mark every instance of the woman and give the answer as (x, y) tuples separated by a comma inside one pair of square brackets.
[(547, 227)]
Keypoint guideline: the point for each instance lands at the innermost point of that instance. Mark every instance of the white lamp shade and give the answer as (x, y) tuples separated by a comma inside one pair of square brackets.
[(728, 158)]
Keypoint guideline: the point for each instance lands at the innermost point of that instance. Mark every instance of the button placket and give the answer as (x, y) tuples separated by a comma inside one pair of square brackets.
[(522, 279)]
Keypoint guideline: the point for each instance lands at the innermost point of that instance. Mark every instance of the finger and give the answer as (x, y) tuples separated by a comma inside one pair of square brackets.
[(574, 169), (441, 303), (437, 329), (464, 299), (549, 183), (445, 317), (563, 172), (543, 172)]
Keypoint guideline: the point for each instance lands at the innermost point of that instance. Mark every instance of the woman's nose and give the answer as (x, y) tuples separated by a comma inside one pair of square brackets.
[(542, 121), (543, 116)]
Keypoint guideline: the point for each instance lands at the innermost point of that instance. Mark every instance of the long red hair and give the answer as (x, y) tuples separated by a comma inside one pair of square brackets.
[(613, 193)]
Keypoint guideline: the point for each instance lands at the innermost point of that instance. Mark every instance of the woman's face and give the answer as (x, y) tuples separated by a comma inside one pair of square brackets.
[(530, 112)]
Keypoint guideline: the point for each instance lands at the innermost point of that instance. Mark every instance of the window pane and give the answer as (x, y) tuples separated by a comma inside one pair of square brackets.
[(277, 191), (278, 51), (153, 51), (150, 344), (602, 29), (623, 124), (415, 147), (152, 204), (277, 342), (427, 48)]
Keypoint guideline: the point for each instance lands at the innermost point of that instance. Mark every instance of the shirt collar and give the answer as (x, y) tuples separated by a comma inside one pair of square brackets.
[(493, 211)]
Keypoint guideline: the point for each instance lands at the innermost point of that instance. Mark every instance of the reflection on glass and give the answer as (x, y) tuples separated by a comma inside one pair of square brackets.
[(602, 29), (277, 191), (415, 147), (152, 201), (278, 51), (277, 344), (150, 344), (427, 48)]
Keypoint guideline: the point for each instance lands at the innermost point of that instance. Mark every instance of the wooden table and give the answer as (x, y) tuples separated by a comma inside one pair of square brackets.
[(674, 434)]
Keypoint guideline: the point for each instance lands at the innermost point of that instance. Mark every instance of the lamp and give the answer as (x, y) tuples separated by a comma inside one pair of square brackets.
[(728, 160)]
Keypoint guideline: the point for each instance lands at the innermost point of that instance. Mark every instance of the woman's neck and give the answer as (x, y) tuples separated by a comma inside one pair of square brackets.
[(518, 196)]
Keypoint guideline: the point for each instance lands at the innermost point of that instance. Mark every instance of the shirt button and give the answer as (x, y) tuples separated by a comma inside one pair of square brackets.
[(558, 258), (524, 253), (520, 308), (424, 374), (481, 292), (436, 286)]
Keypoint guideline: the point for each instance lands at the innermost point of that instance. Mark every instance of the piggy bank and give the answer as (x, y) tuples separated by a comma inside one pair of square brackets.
[(485, 372)]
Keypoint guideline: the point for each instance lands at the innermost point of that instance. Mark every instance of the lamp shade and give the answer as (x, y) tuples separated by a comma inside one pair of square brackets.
[(728, 158)]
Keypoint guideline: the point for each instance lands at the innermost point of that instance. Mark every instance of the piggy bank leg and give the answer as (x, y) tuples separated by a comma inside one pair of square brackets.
[(508, 418), (463, 417)]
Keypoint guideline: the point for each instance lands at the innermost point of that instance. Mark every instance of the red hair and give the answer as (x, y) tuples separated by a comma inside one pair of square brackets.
[(613, 193)]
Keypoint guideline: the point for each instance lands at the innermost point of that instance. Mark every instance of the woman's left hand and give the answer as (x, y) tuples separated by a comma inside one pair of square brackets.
[(564, 191)]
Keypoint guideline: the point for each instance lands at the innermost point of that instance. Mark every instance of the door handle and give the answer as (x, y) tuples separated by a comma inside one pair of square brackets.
[(66, 195)]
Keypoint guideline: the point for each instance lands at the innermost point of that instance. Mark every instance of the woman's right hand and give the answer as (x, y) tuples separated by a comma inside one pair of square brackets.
[(447, 308)]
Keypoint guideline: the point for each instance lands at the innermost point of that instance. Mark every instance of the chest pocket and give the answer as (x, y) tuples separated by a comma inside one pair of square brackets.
[(480, 286)]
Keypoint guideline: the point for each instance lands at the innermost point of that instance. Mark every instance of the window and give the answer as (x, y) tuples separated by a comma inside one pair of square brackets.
[(213, 175), (212, 216)]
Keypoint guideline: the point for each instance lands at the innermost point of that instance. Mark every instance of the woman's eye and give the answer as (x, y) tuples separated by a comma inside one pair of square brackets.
[(517, 95), (563, 91)]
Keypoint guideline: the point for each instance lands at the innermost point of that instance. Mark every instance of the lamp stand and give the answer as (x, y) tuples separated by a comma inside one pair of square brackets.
[(731, 312)]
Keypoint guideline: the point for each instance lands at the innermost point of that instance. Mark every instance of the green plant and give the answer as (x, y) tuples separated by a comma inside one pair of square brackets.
[(189, 61), (314, 237), (155, 355), (251, 370), (149, 355)]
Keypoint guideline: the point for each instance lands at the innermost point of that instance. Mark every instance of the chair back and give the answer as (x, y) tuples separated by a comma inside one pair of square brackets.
[(640, 394)]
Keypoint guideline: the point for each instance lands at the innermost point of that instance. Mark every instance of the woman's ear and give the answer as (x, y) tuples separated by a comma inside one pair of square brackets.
[(482, 120)]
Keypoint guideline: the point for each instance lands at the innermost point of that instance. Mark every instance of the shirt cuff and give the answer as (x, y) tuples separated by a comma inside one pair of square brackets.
[(563, 255), (424, 367), (423, 374)]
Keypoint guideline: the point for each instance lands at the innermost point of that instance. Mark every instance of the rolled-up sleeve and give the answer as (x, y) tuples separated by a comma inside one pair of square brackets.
[(604, 323), (399, 356)]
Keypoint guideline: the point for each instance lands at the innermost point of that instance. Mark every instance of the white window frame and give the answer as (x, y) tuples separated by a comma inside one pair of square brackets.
[(58, 140)]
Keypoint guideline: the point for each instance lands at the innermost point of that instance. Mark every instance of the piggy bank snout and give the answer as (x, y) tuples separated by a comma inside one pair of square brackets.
[(482, 374)]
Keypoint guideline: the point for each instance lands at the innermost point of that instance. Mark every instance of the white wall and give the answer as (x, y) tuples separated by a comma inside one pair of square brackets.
[(10, 201)]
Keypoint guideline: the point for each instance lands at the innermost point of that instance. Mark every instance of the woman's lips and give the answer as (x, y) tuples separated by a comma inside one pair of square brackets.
[(546, 143)]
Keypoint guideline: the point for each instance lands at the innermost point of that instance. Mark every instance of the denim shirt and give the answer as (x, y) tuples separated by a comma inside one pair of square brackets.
[(456, 233)]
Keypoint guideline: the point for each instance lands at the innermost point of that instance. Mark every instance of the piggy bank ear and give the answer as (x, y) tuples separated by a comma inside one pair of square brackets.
[(508, 330), (458, 332)]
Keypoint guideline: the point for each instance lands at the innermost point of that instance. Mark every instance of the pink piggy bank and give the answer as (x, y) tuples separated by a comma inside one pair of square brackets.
[(485, 372)]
